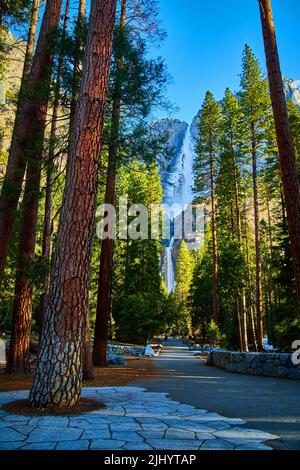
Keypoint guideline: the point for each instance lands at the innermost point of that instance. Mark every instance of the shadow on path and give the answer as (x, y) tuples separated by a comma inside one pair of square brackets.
[(268, 404)]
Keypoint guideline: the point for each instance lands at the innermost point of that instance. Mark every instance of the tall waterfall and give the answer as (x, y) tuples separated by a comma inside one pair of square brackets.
[(182, 195), (170, 272)]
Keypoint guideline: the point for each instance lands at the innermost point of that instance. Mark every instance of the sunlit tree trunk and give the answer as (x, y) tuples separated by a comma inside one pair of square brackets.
[(238, 229), (29, 123), (77, 60), (289, 177), (47, 229), (106, 257), (258, 272), (216, 315), (58, 374)]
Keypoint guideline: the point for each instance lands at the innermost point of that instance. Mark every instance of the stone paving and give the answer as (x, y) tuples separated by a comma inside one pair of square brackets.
[(132, 419)]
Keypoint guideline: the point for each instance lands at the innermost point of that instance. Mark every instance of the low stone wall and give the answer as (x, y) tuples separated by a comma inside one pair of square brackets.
[(120, 350), (264, 364)]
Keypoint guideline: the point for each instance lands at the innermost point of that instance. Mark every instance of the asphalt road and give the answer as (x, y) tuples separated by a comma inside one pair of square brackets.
[(272, 405)]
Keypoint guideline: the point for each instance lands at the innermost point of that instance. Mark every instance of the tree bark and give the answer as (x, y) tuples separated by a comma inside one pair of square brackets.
[(77, 61), (22, 310), (88, 369), (58, 377), (29, 123), (216, 316), (106, 257), (21, 320), (47, 229), (289, 177), (258, 274), (244, 327)]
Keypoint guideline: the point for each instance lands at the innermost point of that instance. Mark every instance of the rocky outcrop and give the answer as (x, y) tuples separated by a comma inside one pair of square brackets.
[(174, 131), (263, 364), (292, 90)]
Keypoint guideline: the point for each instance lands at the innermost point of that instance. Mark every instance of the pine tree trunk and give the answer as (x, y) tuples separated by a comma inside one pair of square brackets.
[(216, 316), (244, 326), (47, 230), (22, 308), (253, 328), (239, 325), (289, 177), (88, 369), (106, 257), (77, 61), (22, 311), (58, 375), (29, 123), (258, 274)]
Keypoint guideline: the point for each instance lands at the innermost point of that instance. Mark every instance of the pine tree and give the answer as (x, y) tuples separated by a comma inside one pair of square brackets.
[(22, 309), (228, 192), (14, 11), (184, 275), (138, 298), (290, 181), (208, 147), (27, 139), (104, 289), (255, 103), (135, 90), (58, 374), (201, 291), (294, 120)]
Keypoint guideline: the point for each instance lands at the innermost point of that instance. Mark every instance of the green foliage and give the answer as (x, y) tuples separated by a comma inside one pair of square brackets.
[(208, 144), (184, 274), (294, 119), (138, 297), (214, 335), (14, 11), (201, 292)]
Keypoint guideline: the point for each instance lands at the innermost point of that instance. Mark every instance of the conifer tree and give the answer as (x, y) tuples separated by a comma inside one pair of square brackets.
[(294, 120), (205, 168), (22, 309), (229, 204), (184, 275), (58, 374), (290, 181), (136, 87), (27, 139), (138, 299), (255, 104)]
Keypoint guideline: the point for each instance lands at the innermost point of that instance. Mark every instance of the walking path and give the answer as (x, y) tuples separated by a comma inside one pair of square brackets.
[(136, 419), (132, 420), (271, 405)]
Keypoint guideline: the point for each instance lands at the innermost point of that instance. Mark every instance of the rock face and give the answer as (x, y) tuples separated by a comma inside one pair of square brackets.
[(292, 89), (175, 130), (170, 161), (264, 364)]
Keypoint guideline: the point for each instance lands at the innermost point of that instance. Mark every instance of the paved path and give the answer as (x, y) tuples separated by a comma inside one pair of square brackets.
[(271, 405), (132, 420)]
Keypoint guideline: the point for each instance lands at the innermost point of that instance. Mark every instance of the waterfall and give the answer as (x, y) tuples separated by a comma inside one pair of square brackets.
[(170, 272), (183, 195)]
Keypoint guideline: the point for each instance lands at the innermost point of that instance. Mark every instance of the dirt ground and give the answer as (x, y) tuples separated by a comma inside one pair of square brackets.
[(111, 376)]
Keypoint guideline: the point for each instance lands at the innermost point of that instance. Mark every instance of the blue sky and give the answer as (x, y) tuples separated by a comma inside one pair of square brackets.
[(205, 43)]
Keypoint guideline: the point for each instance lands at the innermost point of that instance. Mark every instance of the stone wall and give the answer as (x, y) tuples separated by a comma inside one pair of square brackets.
[(264, 364), (120, 350)]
